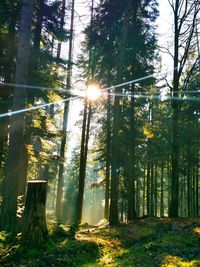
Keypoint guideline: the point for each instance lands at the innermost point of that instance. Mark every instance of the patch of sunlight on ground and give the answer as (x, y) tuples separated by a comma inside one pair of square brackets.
[(173, 261), (100, 241), (197, 231), (109, 250)]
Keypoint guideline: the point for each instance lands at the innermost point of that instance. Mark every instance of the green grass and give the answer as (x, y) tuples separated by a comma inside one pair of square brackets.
[(144, 243)]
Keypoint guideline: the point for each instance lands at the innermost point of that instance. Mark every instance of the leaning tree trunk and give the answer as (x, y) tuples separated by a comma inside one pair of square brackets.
[(35, 231)]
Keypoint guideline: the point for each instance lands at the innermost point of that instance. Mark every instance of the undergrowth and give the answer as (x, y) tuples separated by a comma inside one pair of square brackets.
[(146, 242)]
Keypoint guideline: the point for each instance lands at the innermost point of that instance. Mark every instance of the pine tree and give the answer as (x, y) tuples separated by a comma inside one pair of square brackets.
[(11, 181), (119, 56)]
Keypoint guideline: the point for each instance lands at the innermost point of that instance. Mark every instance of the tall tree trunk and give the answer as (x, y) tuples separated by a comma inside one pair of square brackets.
[(3, 138), (31, 100), (66, 107), (148, 187), (11, 45), (197, 186), (189, 185), (185, 16), (144, 193), (9, 76), (113, 216), (156, 191), (61, 165), (173, 209), (38, 27), (23, 170), (108, 145), (24, 154), (84, 141), (62, 23), (137, 196), (162, 190), (152, 188), (131, 174), (131, 12), (83, 158), (11, 181)]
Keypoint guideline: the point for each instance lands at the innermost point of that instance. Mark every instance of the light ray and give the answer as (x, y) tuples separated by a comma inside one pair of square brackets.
[(11, 113)]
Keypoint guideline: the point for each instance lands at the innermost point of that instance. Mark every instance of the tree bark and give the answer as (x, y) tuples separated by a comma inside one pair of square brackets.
[(83, 159), (156, 191), (197, 187), (131, 12), (148, 186), (108, 144), (131, 172), (38, 27), (3, 138), (114, 216), (66, 108), (152, 188), (185, 15), (87, 113), (162, 190), (11, 181), (62, 24)]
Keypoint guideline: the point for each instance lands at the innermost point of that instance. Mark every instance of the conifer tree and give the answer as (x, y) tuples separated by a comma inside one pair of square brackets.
[(11, 181), (123, 50)]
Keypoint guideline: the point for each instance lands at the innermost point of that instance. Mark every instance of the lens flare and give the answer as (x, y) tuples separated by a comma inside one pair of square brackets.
[(93, 92)]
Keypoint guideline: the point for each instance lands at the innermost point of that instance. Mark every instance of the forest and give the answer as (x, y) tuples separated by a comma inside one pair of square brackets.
[(99, 133)]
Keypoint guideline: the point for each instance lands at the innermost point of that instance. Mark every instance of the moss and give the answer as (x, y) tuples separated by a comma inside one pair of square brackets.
[(173, 261), (145, 243)]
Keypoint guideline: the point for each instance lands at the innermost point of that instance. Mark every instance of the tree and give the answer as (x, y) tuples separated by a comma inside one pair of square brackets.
[(87, 113), (41, 70), (185, 15), (11, 181), (8, 31), (120, 57), (65, 115), (108, 157)]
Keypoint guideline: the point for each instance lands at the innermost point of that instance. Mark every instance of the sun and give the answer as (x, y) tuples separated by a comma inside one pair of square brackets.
[(93, 92)]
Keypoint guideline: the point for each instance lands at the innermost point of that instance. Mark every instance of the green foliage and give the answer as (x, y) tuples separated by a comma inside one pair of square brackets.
[(4, 236), (146, 243), (44, 70)]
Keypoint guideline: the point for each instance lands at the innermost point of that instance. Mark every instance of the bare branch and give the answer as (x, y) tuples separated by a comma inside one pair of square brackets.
[(165, 50), (191, 71), (171, 3)]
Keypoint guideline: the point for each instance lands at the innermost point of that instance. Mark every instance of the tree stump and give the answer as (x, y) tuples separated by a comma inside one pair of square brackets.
[(34, 231)]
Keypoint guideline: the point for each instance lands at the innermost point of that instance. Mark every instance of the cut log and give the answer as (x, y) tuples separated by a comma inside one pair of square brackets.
[(34, 231)]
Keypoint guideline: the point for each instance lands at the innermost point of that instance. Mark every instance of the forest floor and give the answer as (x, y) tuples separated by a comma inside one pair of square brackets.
[(143, 243)]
